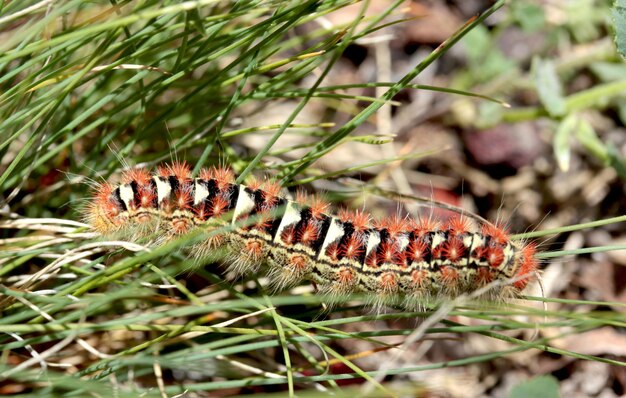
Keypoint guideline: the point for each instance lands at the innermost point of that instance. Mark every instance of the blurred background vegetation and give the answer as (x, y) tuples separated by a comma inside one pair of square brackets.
[(518, 116)]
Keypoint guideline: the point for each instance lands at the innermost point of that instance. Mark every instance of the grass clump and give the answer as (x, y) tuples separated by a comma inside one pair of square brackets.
[(262, 86)]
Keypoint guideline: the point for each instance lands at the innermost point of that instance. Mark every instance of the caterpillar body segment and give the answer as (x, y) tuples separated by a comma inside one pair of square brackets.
[(393, 261)]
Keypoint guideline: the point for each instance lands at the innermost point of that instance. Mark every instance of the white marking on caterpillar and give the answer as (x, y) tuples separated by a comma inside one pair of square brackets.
[(164, 189), (372, 242), (126, 195), (335, 232), (201, 193), (245, 204), (290, 217)]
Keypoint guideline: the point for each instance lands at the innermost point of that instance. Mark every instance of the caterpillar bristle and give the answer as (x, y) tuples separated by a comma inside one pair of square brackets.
[(287, 270), (141, 176), (245, 255), (458, 225), (498, 233), (412, 263), (254, 183), (335, 284), (394, 224), (317, 205), (179, 170), (422, 225), (358, 218), (222, 176), (528, 265), (102, 213), (301, 197)]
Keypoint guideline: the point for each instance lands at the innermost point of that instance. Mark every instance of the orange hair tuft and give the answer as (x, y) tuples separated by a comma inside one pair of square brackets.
[(394, 224), (140, 176), (388, 282), (205, 174), (449, 276), (352, 248), (254, 183), (419, 277), (254, 248), (222, 175), (309, 233), (345, 276), (302, 198), (458, 225), (318, 206), (298, 262), (288, 235), (483, 276), (272, 188), (177, 169), (527, 267), (358, 218), (103, 193), (453, 249), (420, 225), (163, 170), (333, 251), (495, 256), (147, 196), (496, 232), (388, 254), (416, 250), (184, 200), (218, 206)]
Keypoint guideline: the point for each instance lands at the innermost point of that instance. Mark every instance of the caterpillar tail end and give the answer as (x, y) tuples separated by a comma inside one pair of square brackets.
[(528, 264)]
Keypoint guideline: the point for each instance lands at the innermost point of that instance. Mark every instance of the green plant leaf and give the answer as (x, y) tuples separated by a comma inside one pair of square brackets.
[(608, 71), (485, 58), (529, 16), (619, 22), (616, 160), (549, 87), (561, 141), (589, 139), (538, 387), (490, 114)]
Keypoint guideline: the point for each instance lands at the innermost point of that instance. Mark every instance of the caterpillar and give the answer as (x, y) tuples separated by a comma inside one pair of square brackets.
[(395, 260)]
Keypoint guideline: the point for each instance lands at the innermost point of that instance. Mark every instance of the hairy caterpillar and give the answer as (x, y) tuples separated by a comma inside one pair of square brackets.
[(397, 260)]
